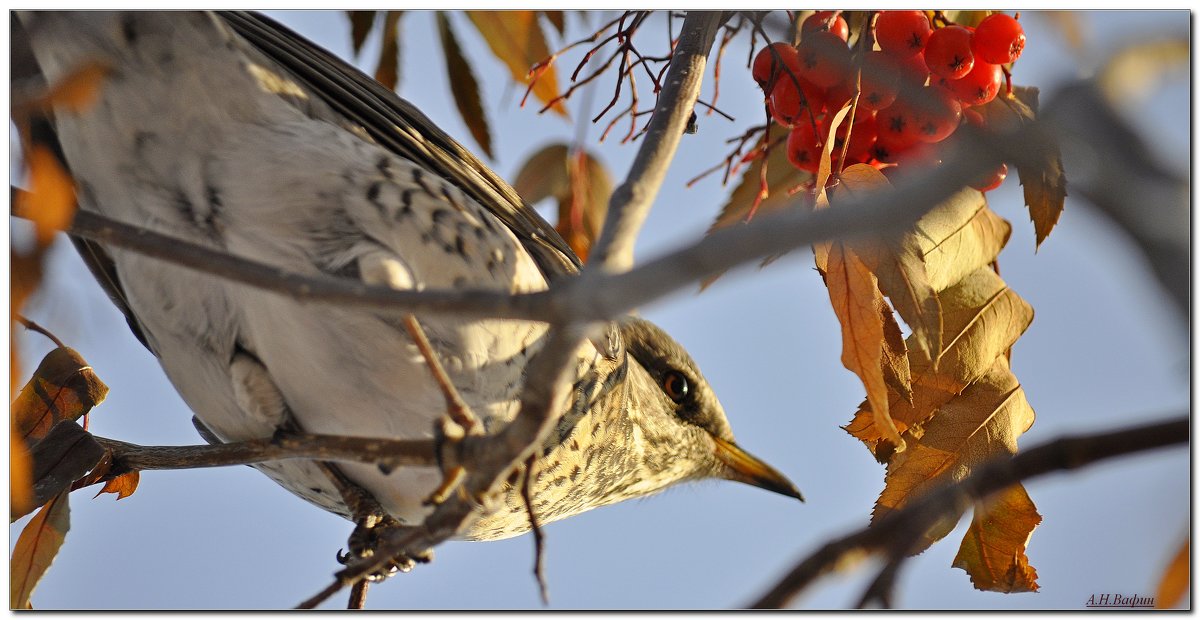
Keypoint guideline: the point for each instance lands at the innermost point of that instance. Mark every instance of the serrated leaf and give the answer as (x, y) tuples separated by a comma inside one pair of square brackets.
[(1040, 168), (360, 26), (981, 423), (959, 236), (36, 548), (558, 20), (123, 486), (993, 549), (1175, 579), (387, 72), (64, 387), (896, 371), (463, 85), (50, 201), (515, 37)]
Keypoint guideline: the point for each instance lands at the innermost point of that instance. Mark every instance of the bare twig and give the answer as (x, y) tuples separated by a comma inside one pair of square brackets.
[(909, 523), (457, 409), (34, 327), (386, 453), (539, 541), (358, 595), (630, 203)]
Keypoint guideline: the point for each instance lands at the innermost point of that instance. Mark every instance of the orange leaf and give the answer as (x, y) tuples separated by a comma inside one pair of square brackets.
[(463, 86), (123, 485), (896, 370), (556, 19), (579, 182), (855, 298), (360, 26), (36, 547), (20, 475), (64, 387), (75, 92), (980, 424), (993, 549), (1175, 579), (50, 201), (516, 38), (387, 72)]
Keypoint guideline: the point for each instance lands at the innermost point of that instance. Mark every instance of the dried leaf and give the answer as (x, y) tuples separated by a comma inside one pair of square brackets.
[(360, 26), (36, 548), (959, 236), (980, 424), (1040, 168), (76, 91), (463, 86), (993, 549), (50, 201), (896, 371), (387, 72), (20, 475), (782, 177), (516, 38), (855, 297), (1070, 30), (558, 20), (1133, 71), (967, 18), (64, 387), (123, 485), (579, 182), (1175, 579), (60, 458)]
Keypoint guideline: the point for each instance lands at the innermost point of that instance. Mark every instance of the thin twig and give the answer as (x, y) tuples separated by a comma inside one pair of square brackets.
[(949, 501), (358, 595), (34, 327), (458, 410), (535, 526)]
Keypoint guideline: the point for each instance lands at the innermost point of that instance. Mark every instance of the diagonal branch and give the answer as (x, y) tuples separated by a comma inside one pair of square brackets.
[(890, 534)]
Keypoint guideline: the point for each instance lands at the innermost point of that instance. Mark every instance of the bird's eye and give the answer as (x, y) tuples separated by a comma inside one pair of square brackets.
[(675, 385)]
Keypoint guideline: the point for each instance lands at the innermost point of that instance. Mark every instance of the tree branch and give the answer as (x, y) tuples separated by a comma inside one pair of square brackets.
[(892, 533), (631, 202), (386, 453)]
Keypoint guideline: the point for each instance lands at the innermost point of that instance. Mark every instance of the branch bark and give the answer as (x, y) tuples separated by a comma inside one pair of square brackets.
[(892, 534)]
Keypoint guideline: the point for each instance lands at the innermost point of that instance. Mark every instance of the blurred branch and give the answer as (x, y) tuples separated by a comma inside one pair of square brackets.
[(893, 534)]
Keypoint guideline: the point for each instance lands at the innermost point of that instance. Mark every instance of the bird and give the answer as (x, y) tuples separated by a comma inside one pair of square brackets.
[(228, 130)]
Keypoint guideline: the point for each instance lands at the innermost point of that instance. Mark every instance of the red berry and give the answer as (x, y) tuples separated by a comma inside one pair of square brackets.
[(824, 58), (992, 181), (948, 52), (839, 95), (979, 86), (767, 68), (787, 107), (913, 69), (880, 81), (803, 147), (902, 33), (937, 115), (897, 128), (827, 21), (999, 39), (862, 136)]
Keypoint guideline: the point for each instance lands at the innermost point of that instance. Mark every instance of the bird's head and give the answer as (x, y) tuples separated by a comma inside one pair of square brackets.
[(680, 416)]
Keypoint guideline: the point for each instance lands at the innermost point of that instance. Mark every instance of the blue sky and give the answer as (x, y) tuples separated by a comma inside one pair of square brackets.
[(1104, 351)]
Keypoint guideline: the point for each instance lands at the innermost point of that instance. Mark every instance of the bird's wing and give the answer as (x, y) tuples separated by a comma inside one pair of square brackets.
[(399, 127)]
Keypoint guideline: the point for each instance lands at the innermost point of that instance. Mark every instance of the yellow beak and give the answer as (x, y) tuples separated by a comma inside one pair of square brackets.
[(750, 470)]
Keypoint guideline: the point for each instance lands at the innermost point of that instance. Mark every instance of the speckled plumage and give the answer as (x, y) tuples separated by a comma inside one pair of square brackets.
[(201, 133)]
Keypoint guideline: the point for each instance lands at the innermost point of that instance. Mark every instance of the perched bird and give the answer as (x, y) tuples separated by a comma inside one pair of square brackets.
[(231, 131)]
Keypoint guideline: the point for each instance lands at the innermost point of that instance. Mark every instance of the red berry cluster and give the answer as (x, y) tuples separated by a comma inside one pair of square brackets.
[(946, 70)]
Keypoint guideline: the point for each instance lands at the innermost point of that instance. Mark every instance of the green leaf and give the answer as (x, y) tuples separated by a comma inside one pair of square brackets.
[(463, 85)]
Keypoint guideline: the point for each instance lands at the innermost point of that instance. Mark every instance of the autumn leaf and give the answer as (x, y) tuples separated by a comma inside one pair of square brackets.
[(976, 426), (360, 26), (1175, 579), (20, 475), (516, 38), (896, 370), (76, 91), (463, 85), (36, 548), (556, 19), (959, 236), (64, 387), (580, 184), (387, 72), (50, 201), (1040, 168), (60, 458), (993, 549), (123, 486)]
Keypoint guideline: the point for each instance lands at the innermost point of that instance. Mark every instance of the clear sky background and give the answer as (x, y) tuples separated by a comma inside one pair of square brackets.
[(1105, 350)]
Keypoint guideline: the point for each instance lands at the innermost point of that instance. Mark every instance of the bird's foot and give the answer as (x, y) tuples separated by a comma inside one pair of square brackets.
[(365, 539)]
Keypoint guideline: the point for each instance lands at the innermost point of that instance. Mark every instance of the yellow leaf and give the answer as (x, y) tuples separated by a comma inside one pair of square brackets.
[(896, 370), (993, 549), (959, 236), (463, 86), (980, 424), (36, 547), (515, 37), (1175, 578), (50, 201), (20, 474), (64, 387)]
